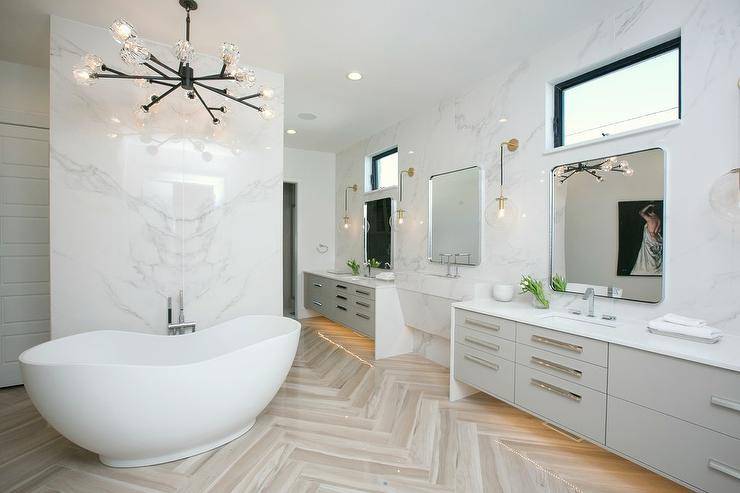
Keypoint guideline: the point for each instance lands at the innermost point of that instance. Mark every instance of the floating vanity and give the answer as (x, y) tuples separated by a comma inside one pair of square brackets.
[(368, 306), (668, 404)]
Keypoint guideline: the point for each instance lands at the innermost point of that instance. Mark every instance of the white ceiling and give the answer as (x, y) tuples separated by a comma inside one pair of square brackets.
[(412, 53)]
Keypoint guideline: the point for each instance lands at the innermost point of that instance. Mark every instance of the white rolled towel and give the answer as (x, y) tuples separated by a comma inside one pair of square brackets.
[(681, 320), (703, 332)]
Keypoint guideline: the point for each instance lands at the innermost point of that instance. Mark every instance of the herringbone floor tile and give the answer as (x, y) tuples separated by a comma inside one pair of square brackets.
[(342, 422)]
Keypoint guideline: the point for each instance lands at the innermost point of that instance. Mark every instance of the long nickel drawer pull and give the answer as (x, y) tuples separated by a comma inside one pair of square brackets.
[(318, 285), (362, 315), (341, 297), (481, 361), (727, 403), (556, 343), (556, 390), (478, 323), (366, 293), (479, 342), (341, 286), (317, 303), (556, 366), (366, 305), (341, 308), (724, 468)]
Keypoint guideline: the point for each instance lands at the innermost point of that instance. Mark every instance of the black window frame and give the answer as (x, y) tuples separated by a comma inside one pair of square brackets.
[(374, 166), (557, 121)]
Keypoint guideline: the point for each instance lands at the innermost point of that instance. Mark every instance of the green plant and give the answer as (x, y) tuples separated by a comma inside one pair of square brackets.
[(531, 285), (352, 264), (559, 283)]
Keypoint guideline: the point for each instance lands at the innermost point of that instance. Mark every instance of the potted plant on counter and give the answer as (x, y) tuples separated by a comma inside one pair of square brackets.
[(355, 266), (531, 285)]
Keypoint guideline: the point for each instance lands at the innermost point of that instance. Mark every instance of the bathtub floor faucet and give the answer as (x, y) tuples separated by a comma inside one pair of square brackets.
[(181, 326)]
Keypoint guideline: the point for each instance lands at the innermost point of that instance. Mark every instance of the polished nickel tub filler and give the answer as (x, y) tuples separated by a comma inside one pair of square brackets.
[(138, 399)]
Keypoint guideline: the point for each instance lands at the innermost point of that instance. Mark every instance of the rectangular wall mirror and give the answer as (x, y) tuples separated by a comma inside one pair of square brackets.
[(606, 226), (455, 209), (378, 232)]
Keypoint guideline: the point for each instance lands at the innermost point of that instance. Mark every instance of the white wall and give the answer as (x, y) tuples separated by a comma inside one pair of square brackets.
[(140, 212), (313, 173), (24, 94), (702, 252)]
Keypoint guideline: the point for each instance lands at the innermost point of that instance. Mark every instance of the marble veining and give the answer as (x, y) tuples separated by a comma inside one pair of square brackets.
[(145, 208)]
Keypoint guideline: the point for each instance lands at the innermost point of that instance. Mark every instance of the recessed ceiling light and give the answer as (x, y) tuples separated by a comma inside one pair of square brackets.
[(354, 76), (268, 148), (411, 152), (503, 119), (307, 116), (290, 131)]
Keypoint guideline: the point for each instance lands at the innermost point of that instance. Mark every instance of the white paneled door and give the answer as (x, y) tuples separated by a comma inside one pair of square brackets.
[(24, 245)]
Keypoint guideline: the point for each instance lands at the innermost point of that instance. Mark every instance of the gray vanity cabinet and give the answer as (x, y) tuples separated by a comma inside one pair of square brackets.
[(347, 303), (675, 416)]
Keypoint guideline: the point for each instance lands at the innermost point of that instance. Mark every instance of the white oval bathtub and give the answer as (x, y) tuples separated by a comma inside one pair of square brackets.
[(139, 399)]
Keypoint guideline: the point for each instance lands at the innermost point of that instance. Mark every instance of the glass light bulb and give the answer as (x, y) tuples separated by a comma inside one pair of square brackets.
[(267, 113), (607, 166), (624, 164), (559, 171), (184, 51), (134, 53), (267, 93), (84, 76), (229, 53), (345, 222), (93, 62), (122, 31), (502, 214), (629, 172)]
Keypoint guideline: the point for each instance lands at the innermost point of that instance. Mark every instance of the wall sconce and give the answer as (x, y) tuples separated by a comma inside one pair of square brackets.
[(505, 212), (401, 215), (345, 222), (724, 196)]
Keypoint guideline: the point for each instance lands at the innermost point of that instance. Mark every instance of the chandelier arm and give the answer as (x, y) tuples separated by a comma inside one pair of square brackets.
[(251, 96), (593, 173), (163, 65), (223, 69), (205, 105), (155, 69), (224, 94), (159, 98), (214, 77), (150, 78), (164, 83)]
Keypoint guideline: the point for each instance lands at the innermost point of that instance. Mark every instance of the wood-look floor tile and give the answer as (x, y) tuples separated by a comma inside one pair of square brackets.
[(342, 422)]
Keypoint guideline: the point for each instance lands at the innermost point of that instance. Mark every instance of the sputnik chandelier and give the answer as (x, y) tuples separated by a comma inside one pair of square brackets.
[(612, 164), (133, 52)]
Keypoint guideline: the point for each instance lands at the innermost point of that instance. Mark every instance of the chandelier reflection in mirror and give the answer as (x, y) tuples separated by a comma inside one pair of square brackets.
[(133, 52), (608, 165)]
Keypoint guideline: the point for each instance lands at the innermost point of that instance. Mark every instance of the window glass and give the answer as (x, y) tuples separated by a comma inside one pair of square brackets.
[(640, 94), (384, 172)]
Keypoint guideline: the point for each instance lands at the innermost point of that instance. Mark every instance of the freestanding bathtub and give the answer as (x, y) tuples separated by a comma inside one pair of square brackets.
[(137, 399)]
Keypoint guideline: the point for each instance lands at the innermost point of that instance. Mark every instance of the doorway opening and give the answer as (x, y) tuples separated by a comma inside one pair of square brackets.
[(289, 249)]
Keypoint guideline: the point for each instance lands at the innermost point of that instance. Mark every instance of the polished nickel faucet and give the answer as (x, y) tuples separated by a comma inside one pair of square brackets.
[(181, 325), (588, 296)]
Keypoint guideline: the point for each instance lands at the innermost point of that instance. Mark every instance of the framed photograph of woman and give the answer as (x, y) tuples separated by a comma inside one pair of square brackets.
[(640, 238)]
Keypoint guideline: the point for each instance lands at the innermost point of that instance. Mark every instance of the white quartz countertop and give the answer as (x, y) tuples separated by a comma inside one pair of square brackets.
[(358, 280), (630, 333)]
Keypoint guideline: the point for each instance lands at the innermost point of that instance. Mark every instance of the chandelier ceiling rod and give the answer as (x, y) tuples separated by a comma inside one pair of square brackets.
[(135, 53)]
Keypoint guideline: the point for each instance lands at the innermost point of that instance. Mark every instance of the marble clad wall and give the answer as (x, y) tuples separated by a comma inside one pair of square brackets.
[(702, 252), (140, 211)]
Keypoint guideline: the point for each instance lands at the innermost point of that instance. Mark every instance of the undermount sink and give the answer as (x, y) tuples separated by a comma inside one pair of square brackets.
[(572, 319)]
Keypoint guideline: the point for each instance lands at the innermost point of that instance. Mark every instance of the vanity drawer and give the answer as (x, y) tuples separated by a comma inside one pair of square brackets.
[(690, 453), (485, 323), (343, 298), (573, 370), (691, 391), (485, 342), (363, 292), (561, 402), (577, 347), (361, 322), (363, 305), (483, 371), (315, 286)]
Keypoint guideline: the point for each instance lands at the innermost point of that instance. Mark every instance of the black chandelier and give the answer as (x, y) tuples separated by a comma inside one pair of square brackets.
[(133, 52), (611, 164)]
